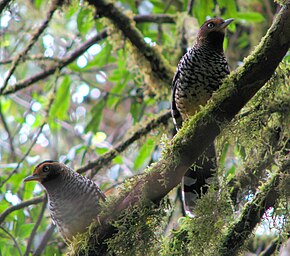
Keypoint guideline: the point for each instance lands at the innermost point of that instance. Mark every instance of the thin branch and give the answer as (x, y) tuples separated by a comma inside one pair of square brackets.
[(160, 18), (31, 42), (161, 69), (38, 57), (47, 235), (50, 70), (19, 206), (33, 232), (106, 158), (252, 214), (13, 239)]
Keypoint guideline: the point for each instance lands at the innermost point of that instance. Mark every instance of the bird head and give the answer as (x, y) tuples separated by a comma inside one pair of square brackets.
[(212, 33), (45, 171)]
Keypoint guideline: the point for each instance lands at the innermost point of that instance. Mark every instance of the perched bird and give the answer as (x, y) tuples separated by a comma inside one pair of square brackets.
[(199, 73), (73, 200)]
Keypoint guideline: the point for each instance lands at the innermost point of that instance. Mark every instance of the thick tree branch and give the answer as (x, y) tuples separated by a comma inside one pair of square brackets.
[(159, 66), (106, 158), (203, 128)]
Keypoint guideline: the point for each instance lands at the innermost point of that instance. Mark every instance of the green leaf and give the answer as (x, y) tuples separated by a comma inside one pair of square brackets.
[(85, 20), (102, 58), (144, 153), (25, 230), (62, 101), (97, 116), (251, 16), (118, 160), (224, 154)]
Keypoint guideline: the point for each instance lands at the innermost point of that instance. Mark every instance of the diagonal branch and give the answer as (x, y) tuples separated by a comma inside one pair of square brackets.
[(47, 235), (61, 63), (50, 70), (106, 158), (31, 42), (202, 129), (19, 206)]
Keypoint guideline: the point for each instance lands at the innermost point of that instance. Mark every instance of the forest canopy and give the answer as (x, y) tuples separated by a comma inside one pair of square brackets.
[(88, 84)]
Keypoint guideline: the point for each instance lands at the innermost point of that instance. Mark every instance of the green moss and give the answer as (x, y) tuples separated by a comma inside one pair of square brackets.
[(200, 235), (139, 229)]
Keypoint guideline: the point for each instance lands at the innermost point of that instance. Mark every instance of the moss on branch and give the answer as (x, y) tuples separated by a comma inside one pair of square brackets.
[(202, 129)]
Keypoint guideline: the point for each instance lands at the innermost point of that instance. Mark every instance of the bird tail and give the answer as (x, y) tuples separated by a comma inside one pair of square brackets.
[(196, 180)]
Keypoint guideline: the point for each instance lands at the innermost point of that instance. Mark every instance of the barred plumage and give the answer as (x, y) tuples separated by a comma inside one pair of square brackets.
[(73, 200), (199, 73)]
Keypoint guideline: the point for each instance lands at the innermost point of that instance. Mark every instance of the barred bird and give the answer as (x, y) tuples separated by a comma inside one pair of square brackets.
[(199, 73), (73, 200)]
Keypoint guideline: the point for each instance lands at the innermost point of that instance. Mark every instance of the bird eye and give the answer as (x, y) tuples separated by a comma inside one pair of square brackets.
[(45, 168), (210, 25)]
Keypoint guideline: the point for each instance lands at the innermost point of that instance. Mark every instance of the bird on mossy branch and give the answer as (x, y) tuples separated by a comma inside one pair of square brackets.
[(199, 73), (73, 200)]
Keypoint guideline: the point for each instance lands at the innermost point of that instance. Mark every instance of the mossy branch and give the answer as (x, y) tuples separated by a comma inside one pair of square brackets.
[(202, 129), (252, 214), (159, 65)]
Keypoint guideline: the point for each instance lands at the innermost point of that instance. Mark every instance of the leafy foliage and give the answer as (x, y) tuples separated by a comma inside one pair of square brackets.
[(98, 93)]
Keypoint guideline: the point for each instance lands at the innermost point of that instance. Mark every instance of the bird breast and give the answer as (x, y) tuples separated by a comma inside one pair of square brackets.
[(73, 205), (200, 73)]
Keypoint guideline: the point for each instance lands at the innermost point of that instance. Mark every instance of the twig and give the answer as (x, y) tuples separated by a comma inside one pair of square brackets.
[(31, 58), (14, 240), (110, 155), (31, 42), (50, 70), (47, 235), (19, 206), (33, 232)]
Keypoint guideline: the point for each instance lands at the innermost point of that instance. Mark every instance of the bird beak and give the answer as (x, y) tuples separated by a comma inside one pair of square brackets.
[(32, 177), (226, 23)]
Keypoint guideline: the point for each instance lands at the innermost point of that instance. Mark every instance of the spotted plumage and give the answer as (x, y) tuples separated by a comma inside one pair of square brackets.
[(73, 200), (199, 73)]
